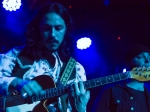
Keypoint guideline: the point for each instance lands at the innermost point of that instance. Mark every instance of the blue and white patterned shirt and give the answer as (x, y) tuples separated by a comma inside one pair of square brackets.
[(7, 64)]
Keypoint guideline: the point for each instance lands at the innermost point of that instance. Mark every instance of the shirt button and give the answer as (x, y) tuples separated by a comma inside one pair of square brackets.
[(131, 98), (132, 108)]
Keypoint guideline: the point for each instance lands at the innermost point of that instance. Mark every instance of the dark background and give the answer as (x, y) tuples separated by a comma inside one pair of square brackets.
[(104, 21)]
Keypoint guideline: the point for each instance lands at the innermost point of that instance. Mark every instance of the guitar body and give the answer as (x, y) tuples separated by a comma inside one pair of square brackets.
[(46, 82)]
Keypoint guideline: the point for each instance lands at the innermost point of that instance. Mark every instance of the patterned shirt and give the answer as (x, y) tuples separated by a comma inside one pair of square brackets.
[(7, 64)]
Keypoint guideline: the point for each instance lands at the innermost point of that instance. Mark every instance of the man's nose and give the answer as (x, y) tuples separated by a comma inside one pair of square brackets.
[(53, 32)]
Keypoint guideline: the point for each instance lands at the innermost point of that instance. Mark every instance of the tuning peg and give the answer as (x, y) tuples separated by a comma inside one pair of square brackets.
[(144, 68), (137, 72), (139, 68), (134, 69), (147, 68), (140, 74)]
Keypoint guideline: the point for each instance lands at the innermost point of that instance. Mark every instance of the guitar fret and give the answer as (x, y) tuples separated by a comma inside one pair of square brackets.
[(40, 97), (123, 76), (52, 92), (103, 80), (47, 95), (109, 78), (116, 77), (87, 84), (98, 82), (92, 83), (59, 90), (34, 98), (44, 96), (29, 100), (55, 92)]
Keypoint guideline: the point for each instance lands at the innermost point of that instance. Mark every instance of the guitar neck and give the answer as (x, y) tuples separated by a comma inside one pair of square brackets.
[(55, 92), (106, 80)]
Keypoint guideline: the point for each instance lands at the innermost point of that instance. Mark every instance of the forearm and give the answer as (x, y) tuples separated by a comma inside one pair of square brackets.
[(6, 67)]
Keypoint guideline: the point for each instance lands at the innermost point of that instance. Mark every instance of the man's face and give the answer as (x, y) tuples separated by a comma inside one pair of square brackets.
[(52, 29), (143, 59)]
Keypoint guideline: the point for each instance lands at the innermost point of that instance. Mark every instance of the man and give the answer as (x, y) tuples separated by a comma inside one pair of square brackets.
[(130, 96), (47, 50)]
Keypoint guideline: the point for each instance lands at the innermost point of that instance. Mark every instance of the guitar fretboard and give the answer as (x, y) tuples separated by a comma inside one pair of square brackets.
[(105, 80), (55, 92), (50, 93)]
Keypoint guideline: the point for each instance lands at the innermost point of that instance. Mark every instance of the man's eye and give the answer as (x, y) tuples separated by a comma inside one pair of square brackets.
[(58, 28)]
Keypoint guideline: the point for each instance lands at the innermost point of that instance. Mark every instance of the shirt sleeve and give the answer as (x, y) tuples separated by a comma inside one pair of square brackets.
[(7, 63)]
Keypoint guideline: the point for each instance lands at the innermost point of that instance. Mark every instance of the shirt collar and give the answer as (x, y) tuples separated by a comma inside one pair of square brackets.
[(55, 54)]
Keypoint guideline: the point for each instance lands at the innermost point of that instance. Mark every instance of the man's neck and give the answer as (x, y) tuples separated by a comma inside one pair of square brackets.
[(136, 85), (50, 58)]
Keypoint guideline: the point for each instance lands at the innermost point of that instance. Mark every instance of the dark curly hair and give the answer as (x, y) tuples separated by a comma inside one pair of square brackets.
[(34, 47)]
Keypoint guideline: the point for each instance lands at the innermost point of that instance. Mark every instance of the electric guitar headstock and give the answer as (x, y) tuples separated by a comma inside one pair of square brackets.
[(140, 73)]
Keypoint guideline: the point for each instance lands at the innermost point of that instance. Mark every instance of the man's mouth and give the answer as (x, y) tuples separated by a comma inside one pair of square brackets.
[(52, 41)]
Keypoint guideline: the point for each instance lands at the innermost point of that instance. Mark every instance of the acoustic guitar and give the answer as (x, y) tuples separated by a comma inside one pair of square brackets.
[(52, 92)]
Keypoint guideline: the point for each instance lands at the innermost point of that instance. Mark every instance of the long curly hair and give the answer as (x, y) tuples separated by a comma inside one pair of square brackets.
[(34, 47)]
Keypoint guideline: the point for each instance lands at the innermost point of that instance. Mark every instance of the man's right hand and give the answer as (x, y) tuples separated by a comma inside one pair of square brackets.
[(30, 87)]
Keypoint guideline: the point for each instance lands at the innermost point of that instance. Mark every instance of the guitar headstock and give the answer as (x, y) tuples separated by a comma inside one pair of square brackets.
[(140, 73)]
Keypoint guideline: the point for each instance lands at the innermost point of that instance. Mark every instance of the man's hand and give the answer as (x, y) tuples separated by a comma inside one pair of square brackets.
[(78, 97), (28, 87)]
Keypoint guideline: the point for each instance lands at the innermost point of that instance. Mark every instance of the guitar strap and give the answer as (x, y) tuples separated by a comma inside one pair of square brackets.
[(67, 73)]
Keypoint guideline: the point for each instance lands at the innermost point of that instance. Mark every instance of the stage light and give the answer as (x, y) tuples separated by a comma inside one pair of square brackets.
[(124, 70), (11, 5), (84, 43)]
